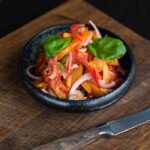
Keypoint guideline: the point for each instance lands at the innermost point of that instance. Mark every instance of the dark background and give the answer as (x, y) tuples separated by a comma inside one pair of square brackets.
[(133, 13)]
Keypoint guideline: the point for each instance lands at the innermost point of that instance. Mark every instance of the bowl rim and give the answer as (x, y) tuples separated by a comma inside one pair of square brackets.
[(67, 101)]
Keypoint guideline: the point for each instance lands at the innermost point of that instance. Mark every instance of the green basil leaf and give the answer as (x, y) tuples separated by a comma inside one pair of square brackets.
[(107, 48), (53, 45)]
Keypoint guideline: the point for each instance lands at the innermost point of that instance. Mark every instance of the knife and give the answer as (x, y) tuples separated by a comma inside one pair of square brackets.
[(111, 128)]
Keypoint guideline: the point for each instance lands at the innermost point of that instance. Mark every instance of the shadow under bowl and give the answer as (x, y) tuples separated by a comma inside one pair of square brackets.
[(29, 56)]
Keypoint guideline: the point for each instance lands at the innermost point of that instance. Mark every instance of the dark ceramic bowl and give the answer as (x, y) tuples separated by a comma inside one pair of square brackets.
[(29, 56)]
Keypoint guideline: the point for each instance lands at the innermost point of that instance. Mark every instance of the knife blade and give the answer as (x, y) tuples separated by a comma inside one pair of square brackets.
[(126, 123), (111, 128)]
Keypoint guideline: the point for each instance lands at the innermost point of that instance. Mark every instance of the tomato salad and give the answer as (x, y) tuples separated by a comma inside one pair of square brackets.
[(78, 64)]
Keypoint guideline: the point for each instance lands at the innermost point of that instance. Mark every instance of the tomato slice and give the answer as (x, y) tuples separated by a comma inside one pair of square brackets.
[(95, 74), (75, 31), (79, 57), (82, 57)]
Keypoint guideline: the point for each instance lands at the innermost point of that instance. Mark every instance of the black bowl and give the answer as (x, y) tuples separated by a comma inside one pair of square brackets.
[(29, 56)]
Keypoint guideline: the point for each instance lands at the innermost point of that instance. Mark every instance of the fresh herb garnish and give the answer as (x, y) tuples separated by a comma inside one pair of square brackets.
[(107, 48), (53, 45)]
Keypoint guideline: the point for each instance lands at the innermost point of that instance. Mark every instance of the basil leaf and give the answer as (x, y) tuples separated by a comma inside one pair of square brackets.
[(53, 45), (107, 48)]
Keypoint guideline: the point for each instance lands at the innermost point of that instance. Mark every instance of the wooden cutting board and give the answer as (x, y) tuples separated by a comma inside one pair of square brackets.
[(25, 123)]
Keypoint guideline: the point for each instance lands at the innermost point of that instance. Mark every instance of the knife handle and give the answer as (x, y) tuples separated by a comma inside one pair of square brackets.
[(75, 141), (71, 142)]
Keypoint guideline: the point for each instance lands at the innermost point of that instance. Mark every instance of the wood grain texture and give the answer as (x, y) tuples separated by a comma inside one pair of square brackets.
[(25, 123)]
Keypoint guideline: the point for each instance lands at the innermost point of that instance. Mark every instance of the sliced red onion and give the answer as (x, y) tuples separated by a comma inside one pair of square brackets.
[(120, 69), (77, 95), (64, 74), (51, 92), (91, 41), (81, 29), (83, 78), (44, 90), (74, 66), (104, 85), (88, 39), (52, 67), (70, 63), (46, 71), (98, 34), (84, 49), (30, 74), (53, 75)]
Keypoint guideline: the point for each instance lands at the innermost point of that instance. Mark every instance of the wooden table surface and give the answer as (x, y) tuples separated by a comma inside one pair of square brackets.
[(25, 123)]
